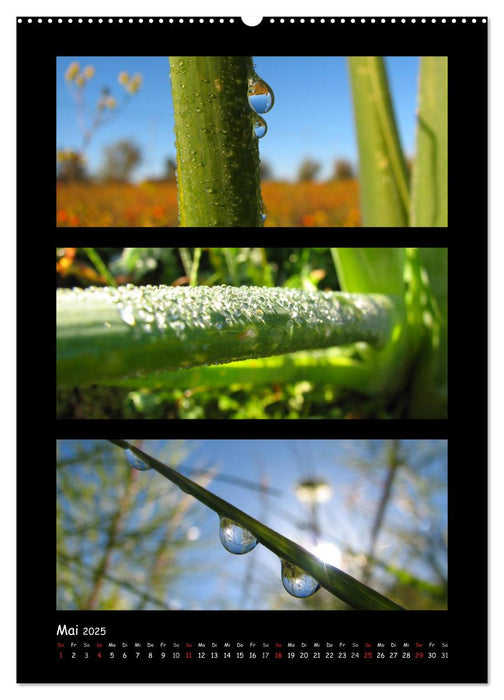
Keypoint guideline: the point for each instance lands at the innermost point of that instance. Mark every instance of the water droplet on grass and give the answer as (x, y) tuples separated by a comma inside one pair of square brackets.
[(235, 538), (297, 582), (136, 462)]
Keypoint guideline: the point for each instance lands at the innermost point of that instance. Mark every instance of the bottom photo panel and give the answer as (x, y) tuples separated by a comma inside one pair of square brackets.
[(245, 525)]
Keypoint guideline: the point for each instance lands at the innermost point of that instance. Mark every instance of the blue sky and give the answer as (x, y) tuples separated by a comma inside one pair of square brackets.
[(355, 471), (312, 116)]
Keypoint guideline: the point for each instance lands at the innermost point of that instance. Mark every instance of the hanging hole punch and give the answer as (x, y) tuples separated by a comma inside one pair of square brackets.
[(251, 21)]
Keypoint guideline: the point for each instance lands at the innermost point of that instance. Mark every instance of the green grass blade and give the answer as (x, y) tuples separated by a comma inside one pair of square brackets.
[(430, 169), (382, 168), (217, 151), (429, 387), (370, 270), (111, 333), (337, 582), (101, 268)]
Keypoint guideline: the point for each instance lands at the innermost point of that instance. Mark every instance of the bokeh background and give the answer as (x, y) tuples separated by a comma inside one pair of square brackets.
[(128, 539)]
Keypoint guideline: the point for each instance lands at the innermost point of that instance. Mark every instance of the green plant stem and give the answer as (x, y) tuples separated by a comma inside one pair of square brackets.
[(337, 582), (382, 168), (112, 333), (217, 151), (430, 169)]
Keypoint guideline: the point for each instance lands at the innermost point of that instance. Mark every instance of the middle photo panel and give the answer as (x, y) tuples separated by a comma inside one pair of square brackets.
[(251, 333)]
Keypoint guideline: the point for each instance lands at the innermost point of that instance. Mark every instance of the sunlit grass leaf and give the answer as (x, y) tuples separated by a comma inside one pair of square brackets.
[(337, 582), (370, 270)]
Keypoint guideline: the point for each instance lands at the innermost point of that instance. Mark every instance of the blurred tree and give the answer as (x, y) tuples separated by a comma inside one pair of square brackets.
[(120, 538), (120, 159), (266, 171), (343, 170), (71, 166), (308, 170)]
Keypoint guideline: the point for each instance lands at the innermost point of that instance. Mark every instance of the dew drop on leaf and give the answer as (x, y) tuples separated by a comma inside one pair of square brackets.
[(235, 538), (136, 462), (297, 582)]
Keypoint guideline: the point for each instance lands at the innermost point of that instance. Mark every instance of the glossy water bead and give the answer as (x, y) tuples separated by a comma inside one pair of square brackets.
[(235, 538), (260, 95), (136, 462), (297, 582)]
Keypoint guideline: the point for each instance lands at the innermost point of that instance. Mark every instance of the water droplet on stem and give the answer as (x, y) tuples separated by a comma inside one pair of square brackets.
[(136, 462), (260, 95), (297, 582), (260, 126), (235, 538)]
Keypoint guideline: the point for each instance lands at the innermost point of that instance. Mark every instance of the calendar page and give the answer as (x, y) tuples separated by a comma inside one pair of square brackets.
[(270, 427)]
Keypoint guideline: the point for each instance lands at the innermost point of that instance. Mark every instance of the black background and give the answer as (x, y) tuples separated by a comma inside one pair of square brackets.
[(464, 625)]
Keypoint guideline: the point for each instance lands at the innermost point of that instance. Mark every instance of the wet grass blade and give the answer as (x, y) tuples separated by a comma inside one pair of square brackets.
[(382, 169), (106, 333), (337, 582), (430, 169)]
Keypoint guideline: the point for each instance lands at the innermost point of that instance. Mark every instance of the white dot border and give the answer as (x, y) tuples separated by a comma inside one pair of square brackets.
[(218, 21)]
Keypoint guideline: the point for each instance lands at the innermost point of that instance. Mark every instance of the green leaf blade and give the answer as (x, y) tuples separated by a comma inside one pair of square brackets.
[(370, 270), (337, 582), (382, 167), (430, 170)]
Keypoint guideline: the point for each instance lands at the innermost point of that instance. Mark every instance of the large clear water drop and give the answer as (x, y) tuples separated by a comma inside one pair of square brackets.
[(260, 95), (235, 538), (260, 126), (136, 462), (297, 582)]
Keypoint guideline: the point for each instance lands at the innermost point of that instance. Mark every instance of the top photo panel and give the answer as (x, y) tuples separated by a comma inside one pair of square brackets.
[(251, 141)]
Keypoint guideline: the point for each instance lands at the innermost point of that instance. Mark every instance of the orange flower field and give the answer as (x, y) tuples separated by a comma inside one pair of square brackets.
[(155, 204)]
